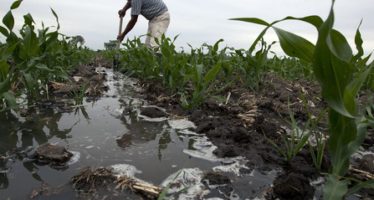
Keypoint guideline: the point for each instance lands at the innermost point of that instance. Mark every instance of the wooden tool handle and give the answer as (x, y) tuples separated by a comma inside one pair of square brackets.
[(120, 25)]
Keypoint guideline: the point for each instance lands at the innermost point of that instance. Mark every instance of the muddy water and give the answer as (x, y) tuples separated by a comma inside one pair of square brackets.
[(111, 131)]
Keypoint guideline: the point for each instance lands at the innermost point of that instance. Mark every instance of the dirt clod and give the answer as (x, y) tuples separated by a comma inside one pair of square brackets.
[(52, 154), (152, 112), (293, 187)]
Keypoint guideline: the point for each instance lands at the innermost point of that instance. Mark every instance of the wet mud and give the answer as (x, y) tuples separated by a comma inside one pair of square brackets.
[(53, 155), (236, 133), (244, 126)]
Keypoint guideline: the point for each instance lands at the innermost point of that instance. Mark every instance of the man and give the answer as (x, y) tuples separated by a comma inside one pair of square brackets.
[(153, 10)]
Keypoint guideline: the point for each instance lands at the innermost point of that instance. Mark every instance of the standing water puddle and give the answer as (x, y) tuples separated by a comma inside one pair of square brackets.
[(111, 131)]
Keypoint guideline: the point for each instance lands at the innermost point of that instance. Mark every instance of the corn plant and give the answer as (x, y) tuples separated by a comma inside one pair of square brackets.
[(189, 75), (370, 115), (32, 58), (317, 146), (290, 68), (250, 65), (139, 59), (201, 84), (293, 142), (335, 68), (173, 65)]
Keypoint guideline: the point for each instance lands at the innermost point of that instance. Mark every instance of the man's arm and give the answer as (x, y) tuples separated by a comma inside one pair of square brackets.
[(122, 12), (129, 27)]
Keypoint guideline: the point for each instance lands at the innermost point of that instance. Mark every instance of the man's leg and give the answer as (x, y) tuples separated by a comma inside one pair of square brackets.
[(156, 28)]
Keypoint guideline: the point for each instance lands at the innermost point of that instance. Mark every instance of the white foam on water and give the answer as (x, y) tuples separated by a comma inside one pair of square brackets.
[(237, 164), (187, 181), (203, 149), (75, 158), (195, 192), (188, 132), (259, 198), (148, 119), (90, 147), (125, 170), (181, 124), (317, 182)]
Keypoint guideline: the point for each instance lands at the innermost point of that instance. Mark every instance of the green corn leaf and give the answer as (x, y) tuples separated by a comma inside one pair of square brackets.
[(4, 31), (29, 20), (294, 45), (358, 42), (302, 142), (339, 46), (355, 85), (10, 99), (198, 72), (8, 51), (4, 86), (367, 184), (252, 20), (331, 71), (12, 38), (30, 47), (255, 21), (56, 17), (355, 144), (16, 4), (4, 69), (43, 67), (335, 189), (342, 131), (259, 37), (212, 74), (8, 20), (314, 20), (216, 45), (29, 81)]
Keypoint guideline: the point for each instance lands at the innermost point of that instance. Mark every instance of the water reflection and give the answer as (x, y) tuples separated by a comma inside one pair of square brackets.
[(19, 134), (141, 132), (163, 142)]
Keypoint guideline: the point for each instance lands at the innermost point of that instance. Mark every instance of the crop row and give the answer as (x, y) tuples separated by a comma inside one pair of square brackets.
[(33, 57)]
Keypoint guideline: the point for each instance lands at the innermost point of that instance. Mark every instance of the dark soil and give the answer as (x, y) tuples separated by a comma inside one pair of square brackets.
[(152, 112), (292, 186), (215, 178), (53, 155), (244, 126), (86, 79)]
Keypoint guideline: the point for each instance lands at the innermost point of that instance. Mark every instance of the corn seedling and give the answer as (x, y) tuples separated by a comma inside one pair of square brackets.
[(34, 57), (336, 70), (293, 141)]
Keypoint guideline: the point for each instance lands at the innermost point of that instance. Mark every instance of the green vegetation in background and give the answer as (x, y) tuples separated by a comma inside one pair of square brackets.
[(32, 58), (341, 76), (290, 68), (202, 72)]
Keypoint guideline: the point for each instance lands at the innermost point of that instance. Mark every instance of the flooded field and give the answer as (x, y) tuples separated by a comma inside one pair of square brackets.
[(113, 131)]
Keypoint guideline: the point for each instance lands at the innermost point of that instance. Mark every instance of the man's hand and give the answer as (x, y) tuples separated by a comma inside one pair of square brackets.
[(122, 12), (120, 37)]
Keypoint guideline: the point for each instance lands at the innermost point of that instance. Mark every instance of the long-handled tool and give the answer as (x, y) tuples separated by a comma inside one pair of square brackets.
[(120, 31), (117, 54)]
